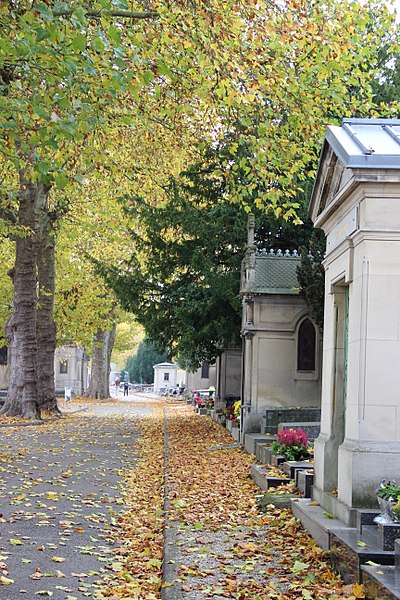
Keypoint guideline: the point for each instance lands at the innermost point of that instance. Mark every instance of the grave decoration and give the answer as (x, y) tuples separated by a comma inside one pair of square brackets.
[(292, 444), (388, 494), (236, 410)]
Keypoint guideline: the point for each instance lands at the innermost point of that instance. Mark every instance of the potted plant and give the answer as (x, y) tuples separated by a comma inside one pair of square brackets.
[(388, 494), (292, 444)]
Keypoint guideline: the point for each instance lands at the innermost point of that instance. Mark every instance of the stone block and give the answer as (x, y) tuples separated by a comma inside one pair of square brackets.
[(262, 453), (380, 583), (365, 516), (277, 460), (252, 439), (252, 422), (397, 561), (236, 433), (388, 534), (304, 481), (290, 467), (229, 424)]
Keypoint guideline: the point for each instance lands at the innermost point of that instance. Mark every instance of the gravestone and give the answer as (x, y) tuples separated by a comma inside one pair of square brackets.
[(274, 416)]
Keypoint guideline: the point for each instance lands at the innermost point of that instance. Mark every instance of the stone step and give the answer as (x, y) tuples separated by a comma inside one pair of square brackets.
[(350, 547), (316, 521)]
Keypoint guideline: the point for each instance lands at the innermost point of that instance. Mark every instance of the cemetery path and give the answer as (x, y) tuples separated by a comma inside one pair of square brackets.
[(60, 495), (142, 499)]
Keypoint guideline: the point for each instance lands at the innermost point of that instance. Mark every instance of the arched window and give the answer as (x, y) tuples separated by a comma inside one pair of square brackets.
[(306, 346)]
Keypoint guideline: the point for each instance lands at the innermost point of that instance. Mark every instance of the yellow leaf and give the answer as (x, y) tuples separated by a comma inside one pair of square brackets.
[(358, 590), (57, 559), (5, 580)]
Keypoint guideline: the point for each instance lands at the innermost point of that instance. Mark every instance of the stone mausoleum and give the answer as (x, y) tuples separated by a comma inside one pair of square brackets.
[(281, 343), (356, 201)]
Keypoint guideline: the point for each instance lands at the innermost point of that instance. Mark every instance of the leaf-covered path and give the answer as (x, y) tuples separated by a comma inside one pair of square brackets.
[(142, 501), (60, 497)]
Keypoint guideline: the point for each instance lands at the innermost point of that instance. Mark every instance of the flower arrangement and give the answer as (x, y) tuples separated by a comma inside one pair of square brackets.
[(388, 490), (292, 444), (236, 409)]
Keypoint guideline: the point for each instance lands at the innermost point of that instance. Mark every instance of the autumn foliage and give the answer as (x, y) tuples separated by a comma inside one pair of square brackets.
[(227, 548)]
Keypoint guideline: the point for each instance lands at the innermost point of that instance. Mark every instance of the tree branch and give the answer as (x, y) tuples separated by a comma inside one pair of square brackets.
[(126, 14)]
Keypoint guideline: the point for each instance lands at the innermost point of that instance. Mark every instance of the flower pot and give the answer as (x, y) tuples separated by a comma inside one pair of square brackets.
[(386, 513)]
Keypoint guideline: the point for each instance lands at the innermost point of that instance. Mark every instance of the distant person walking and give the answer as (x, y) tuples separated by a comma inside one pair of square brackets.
[(117, 382), (126, 388)]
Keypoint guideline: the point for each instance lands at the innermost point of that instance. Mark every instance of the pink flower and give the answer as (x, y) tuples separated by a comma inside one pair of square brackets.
[(293, 437)]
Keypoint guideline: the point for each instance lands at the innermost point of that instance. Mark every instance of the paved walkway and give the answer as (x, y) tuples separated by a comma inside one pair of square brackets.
[(59, 494)]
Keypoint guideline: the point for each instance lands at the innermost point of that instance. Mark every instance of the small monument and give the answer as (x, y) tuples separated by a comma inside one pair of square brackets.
[(356, 201)]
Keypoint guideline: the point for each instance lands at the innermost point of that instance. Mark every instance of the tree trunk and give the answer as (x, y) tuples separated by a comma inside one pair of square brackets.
[(45, 324), (22, 398), (99, 386)]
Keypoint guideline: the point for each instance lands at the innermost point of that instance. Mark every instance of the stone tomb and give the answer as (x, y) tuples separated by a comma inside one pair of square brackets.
[(356, 201)]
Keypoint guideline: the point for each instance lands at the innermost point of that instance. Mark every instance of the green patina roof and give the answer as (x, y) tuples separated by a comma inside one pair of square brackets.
[(276, 274)]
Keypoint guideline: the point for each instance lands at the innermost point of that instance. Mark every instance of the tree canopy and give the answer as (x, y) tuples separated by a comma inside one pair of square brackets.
[(183, 278), (140, 366), (112, 91)]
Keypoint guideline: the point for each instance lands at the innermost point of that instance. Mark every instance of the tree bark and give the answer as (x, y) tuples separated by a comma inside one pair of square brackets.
[(22, 398), (103, 343), (45, 324)]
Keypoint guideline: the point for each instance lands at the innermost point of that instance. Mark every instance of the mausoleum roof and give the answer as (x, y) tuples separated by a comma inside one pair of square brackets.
[(366, 143), (275, 274)]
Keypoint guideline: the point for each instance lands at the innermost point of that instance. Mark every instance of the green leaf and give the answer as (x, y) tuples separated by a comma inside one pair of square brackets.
[(114, 34), (79, 42), (299, 566), (61, 181), (45, 11), (42, 34), (162, 69)]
